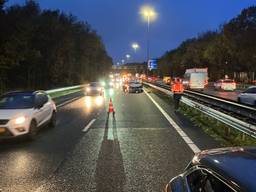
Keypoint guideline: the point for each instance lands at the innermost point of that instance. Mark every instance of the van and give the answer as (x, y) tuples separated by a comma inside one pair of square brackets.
[(196, 78)]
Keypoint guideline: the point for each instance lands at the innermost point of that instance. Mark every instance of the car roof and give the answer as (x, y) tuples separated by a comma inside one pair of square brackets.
[(252, 87), (236, 164), (23, 92), (94, 83)]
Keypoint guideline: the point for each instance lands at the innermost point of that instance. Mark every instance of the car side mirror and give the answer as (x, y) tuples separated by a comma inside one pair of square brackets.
[(176, 185), (39, 105)]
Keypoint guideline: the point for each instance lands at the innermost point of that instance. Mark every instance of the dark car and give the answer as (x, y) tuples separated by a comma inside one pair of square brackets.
[(135, 87), (224, 170), (94, 88)]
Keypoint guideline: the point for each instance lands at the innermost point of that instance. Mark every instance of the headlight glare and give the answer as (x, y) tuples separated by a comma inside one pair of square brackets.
[(20, 120)]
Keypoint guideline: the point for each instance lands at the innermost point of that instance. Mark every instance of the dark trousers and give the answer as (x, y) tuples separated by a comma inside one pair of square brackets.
[(176, 98)]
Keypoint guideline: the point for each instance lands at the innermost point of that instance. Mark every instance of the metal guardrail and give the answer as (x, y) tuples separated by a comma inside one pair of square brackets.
[(72, 89), (63, 89), (233, 122), (217, 102)]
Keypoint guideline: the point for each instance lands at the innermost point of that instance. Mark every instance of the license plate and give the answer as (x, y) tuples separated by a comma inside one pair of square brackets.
[(2, 130)]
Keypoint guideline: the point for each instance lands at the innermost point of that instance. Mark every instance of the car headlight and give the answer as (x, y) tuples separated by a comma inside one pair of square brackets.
[(20, 120), (103, 83), (88, 89)]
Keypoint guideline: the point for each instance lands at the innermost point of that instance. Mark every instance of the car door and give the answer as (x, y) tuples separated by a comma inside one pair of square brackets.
[(39, 108), (47, 108), (42, 110), (252, 96), (244, 96), (248, 96)]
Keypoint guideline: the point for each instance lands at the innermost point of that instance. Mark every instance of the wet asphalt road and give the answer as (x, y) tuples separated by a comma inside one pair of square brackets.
[(138, 150)]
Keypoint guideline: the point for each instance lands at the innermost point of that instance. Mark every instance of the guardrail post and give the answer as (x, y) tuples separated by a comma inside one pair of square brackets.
[(243, 136), (227, 131)]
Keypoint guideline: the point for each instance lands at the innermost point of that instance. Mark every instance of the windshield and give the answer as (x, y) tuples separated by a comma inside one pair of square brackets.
[(94, 84), (134, 82), (17, 101)]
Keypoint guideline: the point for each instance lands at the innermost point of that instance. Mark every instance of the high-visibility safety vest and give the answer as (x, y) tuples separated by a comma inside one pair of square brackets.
[(177, 87)]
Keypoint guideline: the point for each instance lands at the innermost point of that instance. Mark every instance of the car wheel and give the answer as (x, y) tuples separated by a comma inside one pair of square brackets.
[(53, 120), (32, 130), (239, 100)]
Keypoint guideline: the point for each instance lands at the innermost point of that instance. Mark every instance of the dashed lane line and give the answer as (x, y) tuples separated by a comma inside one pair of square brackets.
[(89, 125), (183, 135)]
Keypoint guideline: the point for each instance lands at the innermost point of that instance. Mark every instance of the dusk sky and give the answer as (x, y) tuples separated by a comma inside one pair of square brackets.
[(119, 22)]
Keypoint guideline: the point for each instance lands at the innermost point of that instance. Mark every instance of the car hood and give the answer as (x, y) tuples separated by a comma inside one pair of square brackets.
[(12, 113)]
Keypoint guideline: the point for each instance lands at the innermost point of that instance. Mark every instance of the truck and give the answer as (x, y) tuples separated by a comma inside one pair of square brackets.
[(196, 78)]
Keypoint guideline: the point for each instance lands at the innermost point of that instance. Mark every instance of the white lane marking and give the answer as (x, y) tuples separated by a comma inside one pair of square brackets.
[(68, 101), (184, 136), (89, 125)]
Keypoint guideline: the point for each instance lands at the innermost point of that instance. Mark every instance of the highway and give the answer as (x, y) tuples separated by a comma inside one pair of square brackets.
[(230, 95), (138, 150)]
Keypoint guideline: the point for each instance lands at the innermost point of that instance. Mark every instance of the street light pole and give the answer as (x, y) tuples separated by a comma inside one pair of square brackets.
[(148, 20), (149, 15)]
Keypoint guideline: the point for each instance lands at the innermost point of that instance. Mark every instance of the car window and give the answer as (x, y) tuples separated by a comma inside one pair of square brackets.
[(42, 98), (17, 101), (45, 98), (203, 181), (94, 84), (251, 90)]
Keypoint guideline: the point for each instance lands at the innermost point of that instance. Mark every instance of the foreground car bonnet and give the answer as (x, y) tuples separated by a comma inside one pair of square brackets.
[(236, 164), (11, 113)]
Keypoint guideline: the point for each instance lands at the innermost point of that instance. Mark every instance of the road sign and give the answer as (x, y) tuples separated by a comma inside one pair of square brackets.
[(152, 64)]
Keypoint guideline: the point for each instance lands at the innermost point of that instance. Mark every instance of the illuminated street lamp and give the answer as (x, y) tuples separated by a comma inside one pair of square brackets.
[(127, 56), (149, 15), (135, 46), (122, 61), (118, 63)]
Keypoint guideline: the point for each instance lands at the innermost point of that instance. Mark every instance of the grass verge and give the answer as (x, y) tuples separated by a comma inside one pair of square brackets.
[(225, 135)]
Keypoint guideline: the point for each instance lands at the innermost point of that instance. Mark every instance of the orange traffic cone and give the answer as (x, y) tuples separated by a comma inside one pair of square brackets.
[(111, 107)]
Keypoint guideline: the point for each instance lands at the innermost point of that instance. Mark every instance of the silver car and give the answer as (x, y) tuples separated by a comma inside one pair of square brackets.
[(248, 96)]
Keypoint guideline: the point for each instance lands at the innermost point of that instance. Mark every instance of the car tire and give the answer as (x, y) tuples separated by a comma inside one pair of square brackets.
[(33, 129), (53, 120), (239, 100)]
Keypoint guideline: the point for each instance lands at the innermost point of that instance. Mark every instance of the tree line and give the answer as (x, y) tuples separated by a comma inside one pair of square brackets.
[(43, 49), (230, 50)]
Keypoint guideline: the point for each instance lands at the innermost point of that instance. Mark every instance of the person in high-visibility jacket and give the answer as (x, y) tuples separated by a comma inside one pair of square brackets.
[(177, 89)]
